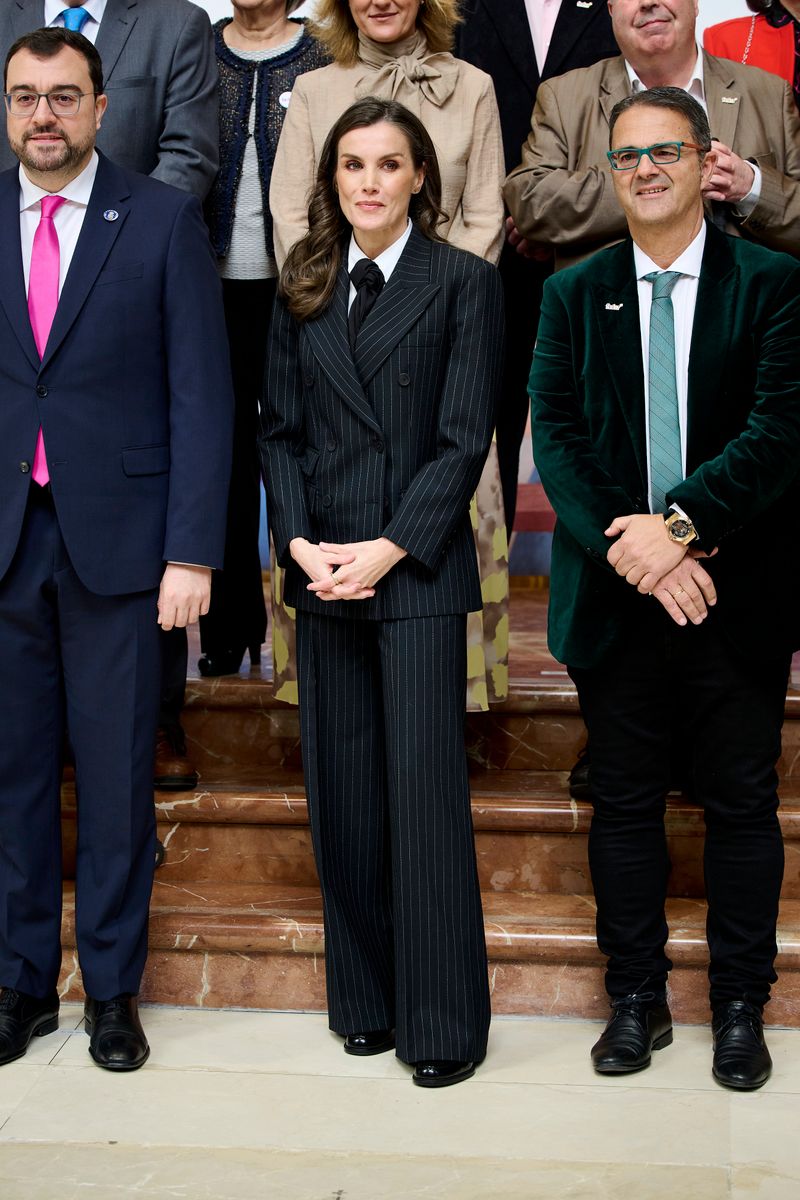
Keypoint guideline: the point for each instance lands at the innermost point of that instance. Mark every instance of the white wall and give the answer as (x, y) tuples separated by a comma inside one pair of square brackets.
[(711, 11)]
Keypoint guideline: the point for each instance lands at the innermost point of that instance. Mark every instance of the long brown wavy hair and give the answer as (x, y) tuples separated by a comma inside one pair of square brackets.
[(333, 25), (308, 278)]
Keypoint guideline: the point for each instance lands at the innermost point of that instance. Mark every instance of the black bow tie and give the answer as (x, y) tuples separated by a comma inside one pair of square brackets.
[(367, 278)]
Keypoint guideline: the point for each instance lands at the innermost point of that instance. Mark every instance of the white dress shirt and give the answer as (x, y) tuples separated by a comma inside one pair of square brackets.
[(684, 299), (697, 90), (542, 17), (68, 218), (54, 15), (387, 261)]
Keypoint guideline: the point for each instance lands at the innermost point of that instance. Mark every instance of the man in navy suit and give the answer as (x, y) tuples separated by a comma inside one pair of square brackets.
[(115, 430)]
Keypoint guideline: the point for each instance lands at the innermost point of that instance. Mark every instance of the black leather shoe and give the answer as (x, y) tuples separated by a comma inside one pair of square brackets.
[(741, 1057), (441, 1072), (579, 787), (117, 1038), (639, 1023), (23, 1017), (227, 662), (376, 1042)]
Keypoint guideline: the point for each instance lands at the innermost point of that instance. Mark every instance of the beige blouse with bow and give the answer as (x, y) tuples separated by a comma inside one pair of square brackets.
[(455, 102)]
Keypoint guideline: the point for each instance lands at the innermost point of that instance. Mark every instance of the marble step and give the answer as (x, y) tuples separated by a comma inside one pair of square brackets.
[(233, 723), (530, 836), (261, 946)]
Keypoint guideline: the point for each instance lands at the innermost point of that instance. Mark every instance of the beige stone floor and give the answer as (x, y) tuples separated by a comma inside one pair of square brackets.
[(266, 1106)]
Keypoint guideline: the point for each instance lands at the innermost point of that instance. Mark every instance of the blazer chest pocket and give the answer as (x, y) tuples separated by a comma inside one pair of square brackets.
[(116, 274), (145, 460), (308, 461), (132, 81)]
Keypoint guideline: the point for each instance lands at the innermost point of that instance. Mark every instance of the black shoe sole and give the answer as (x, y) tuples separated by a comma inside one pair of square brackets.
[(172, 783), (664, 1039), (445, 1080), (49, 1025), (366, 1052), (119, 1067), (738, 1087)]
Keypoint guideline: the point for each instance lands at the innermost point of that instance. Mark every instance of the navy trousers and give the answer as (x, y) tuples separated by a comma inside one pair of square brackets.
[(382, 723), (67, 655)]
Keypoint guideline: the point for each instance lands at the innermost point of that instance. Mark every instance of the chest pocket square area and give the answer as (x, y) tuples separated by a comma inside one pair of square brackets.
[(121, 271)]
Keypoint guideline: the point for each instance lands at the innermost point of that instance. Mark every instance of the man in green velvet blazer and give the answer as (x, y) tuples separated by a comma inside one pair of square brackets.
[(666, 425)]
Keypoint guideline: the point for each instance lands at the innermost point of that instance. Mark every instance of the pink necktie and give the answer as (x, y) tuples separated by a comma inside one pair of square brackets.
[(43, 301)]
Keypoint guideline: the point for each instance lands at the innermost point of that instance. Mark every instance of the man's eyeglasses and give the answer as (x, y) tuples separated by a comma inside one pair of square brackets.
[(61, 104), (662, 154)]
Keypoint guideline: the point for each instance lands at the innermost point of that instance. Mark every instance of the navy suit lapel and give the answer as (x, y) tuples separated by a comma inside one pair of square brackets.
[(97, 236), (616, 308), (12, 279), (572, 23), (511, 22), (401, 303), (116, 26), (327, 335), (714, 321)]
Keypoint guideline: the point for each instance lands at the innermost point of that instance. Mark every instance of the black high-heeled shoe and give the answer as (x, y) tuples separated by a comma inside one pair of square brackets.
[(227, 662)]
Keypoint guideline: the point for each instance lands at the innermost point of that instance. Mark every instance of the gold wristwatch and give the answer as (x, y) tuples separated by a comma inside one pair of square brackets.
[(679, 529)]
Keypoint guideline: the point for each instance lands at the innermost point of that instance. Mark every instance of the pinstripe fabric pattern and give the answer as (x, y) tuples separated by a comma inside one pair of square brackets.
[(382, 716), (392, 442)]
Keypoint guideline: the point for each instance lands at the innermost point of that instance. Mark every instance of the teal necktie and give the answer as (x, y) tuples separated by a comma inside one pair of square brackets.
[(666, 465), (75, 19)]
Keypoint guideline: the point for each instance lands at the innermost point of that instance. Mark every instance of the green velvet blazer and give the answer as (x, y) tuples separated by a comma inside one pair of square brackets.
[(743, 443)]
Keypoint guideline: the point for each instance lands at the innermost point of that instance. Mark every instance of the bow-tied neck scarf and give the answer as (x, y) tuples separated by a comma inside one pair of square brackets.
[(406, 71)]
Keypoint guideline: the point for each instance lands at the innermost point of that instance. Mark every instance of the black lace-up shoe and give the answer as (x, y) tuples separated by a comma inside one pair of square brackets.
[(639, 1023), (117, 1038), (741, 1057), (23, 1017), (376, 1042)]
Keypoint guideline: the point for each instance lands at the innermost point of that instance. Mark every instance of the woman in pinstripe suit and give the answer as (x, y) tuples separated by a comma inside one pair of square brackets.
[(383, 373)]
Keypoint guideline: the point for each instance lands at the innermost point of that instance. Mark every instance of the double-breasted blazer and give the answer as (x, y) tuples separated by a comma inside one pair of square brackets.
[(562, 193), (389, 442), (133, 393), (743, 442), (495, 35), (161, 80)]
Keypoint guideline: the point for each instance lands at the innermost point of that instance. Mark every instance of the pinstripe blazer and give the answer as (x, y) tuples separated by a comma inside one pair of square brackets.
[(389, 442)]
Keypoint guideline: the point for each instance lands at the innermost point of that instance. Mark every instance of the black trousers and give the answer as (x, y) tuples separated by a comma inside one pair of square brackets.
[(67, 654), (667, 691), (237, 617), (382, 725), (523, 281)]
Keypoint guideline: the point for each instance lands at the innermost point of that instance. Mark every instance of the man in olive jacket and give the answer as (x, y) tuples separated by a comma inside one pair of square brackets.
[(666, 426)]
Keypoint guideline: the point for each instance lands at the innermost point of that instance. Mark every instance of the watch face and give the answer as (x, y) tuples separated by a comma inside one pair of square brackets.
[(680, 528)]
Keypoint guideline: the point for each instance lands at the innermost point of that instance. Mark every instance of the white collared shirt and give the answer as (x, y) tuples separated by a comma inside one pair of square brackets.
[(684, 299), (542, 17), (68, 218), (696, 88), (387, 260), (54, 15)]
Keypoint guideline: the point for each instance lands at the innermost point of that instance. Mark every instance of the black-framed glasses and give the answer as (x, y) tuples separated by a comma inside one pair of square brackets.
[(61, 104), (661, 153)]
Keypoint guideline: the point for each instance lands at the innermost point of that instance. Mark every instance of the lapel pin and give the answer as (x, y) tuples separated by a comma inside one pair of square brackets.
[(111, 214), (284, 99), (729, 99), (613, 307), (584, 3)]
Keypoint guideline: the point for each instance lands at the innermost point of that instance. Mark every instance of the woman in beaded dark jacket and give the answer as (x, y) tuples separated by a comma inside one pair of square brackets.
[(260, 54)]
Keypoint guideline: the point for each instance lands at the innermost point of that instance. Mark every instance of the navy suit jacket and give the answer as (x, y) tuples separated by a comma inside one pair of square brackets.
[(133, 393), (160, 76), (389, 442)]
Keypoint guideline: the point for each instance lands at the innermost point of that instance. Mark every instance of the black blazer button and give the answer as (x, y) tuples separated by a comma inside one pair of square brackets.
[(308, 380), (41, 390), (403, 379), (25, 467), (376, 444), (330, 444), (327, 501)]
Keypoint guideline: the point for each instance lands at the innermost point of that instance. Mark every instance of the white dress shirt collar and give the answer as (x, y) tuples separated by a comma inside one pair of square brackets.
[(695, 86), (53, 11), (387, 260), (688, 263), (78, 190)]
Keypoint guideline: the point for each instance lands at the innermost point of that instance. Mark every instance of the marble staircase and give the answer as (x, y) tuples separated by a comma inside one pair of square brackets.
[(236, 914)]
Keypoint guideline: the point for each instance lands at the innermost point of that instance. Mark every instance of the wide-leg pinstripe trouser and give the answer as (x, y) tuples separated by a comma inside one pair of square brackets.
[(382, 725)]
